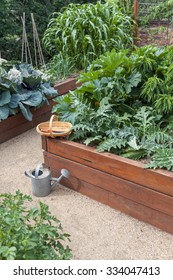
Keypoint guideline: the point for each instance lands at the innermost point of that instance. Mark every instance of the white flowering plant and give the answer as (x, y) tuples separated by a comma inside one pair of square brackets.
[(21, 88)]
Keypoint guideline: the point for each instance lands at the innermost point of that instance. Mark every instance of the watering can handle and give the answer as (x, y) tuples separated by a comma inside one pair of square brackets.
[(38, 169)]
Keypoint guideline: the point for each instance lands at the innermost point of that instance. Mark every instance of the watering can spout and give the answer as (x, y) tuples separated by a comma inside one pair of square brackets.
[(64, 173)]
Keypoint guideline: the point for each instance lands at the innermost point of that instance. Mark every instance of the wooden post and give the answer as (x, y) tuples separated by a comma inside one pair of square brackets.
[(136, 22)]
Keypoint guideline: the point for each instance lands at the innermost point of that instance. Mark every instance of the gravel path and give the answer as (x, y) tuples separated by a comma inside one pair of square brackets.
[(97, 231)]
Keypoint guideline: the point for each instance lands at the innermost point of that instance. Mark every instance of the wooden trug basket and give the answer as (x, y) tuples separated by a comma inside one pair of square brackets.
[(54, 128)]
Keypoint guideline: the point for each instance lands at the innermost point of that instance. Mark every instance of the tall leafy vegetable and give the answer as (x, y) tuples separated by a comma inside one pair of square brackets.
[(83, 32), (125, 5)]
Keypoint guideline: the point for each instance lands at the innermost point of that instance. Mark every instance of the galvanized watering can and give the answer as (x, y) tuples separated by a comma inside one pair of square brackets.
[(42, 181)]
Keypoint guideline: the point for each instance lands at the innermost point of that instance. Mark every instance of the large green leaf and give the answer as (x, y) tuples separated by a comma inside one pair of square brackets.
[(4, 112), (4, 83), (25, 111), (26, 69), (15, 98), (48, 90), (34, 99), (32, 82), (132, 81), (5, 98)]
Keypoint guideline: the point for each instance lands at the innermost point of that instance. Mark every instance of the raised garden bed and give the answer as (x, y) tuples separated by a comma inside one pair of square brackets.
[(66, 85), (15, 125), (118, 182)]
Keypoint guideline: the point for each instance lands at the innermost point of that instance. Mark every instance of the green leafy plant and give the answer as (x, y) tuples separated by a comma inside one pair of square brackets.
[(163, 158), (11, 30), (22, 87), (113, 75), (125, 5), (107, 127), (158, 89), (60, 67), (124, 104), (30, 233), (160, 11), (83, 32)]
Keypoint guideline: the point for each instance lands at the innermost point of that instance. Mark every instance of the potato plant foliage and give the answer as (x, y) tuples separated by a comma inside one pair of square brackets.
[(30, 233), (125, 104), (85, 31)]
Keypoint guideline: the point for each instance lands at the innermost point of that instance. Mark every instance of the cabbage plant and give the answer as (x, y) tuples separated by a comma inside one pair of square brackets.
[(22, 88)]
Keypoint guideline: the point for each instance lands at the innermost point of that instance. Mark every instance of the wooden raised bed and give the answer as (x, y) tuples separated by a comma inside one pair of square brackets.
[(17, 124), (118, 182), (66, 85)]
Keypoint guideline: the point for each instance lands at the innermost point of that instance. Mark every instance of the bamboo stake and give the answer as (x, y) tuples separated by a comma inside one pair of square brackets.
[(23, 36), (37, 44), (34, 38), (25, 44)]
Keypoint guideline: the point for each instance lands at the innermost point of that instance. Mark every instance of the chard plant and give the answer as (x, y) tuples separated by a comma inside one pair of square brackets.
[(30, 233), (83, 32), (22, 88)]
